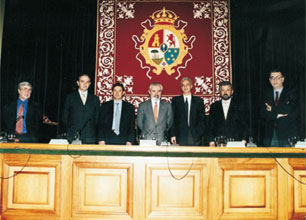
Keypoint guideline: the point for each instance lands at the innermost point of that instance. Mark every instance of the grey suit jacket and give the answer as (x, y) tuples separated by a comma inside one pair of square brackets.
[(145, 119)]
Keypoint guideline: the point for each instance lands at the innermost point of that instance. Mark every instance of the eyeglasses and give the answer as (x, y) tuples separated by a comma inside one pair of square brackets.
[(276, 78), (26, 89)]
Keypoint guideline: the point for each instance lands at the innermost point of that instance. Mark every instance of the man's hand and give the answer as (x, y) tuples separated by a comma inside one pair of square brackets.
[(212, 144), (281, 115), (101, 142), (173, 140), (128, 143), (268, 107)]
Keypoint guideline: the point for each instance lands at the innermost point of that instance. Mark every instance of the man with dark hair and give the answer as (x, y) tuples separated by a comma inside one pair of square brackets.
[(155, 116), (81, 111), (189, 117), (279, 111), (227, 117), (117, 120), (23, 117)]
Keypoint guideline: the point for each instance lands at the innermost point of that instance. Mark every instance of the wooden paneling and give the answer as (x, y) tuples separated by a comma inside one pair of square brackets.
[(168, 196), (299, 188), (249, 188), (31, 187), (102, 189)]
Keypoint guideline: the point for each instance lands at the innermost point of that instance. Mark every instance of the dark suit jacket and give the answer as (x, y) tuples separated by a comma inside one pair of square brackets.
[(81, 118), (180, 122), (235, 126), (285, 126), (127, 124), (33, 118)]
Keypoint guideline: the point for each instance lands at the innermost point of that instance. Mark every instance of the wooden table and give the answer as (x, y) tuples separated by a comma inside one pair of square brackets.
[(41, 181)]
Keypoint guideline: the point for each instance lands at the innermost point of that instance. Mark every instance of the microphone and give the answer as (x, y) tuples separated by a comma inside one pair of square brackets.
[(11, 131), (79, 132)]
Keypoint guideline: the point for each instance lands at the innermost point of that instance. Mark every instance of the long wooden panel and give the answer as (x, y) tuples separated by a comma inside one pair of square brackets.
[(128, 183), (102, 189), (169, 195)]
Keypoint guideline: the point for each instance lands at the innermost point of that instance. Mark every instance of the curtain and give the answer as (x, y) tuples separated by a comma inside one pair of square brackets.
[(48, 43), (267, 34)]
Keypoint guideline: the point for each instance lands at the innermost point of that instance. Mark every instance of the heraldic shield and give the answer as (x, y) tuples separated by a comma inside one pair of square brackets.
[(163, 46)]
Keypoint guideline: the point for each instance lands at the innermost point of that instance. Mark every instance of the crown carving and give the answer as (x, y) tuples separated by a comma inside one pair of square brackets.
[(164, 16)]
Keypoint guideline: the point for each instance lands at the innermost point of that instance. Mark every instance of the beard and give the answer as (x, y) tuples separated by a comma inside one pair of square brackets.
[(226, 97)]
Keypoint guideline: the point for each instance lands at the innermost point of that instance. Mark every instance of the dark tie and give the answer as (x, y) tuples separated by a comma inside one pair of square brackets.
[(186, 108), (276, 99), (19, 123)]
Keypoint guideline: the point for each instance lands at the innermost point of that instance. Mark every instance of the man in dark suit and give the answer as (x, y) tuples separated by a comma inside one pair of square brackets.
[(227, 117), (23, 117), (155, 116), (279, 111), (117, 120), (189, 117), (80, 114)]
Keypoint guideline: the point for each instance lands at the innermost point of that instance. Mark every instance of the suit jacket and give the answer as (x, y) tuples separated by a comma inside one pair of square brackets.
[(285, 126), (127, 124), (180, 122), (33, 118), (234, 126), (80, 118), (145, 120)]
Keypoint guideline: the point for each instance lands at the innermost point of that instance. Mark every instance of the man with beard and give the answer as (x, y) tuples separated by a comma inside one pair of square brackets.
[(227, 117), (155, 116)]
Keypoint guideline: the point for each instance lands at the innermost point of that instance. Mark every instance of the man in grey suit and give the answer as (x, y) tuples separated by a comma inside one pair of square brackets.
[(155, 116)]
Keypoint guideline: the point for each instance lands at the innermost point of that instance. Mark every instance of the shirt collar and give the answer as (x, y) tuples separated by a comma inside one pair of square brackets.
[(82, 92), (226, 101)]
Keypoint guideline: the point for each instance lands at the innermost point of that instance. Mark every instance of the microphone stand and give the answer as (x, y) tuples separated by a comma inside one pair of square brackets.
[(77, 140)]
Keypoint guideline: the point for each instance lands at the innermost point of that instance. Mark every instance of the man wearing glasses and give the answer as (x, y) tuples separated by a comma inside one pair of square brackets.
[(23, 117), (279, 111)]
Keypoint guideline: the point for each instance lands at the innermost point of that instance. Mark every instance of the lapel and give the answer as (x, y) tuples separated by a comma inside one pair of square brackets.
[(230, 110), (192, 109), (161, 109), (123, 109), (78, 97), (283, 95), (182, 105), (150, 110), (220, 109)]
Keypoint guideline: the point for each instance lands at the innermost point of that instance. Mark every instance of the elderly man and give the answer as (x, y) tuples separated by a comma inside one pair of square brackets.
[(279, 111), (81, 111), (189, 117), (155, 116), (23, 117)]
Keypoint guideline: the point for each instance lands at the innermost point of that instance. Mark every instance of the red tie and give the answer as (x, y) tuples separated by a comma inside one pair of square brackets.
[(155, 112), (19, 123)]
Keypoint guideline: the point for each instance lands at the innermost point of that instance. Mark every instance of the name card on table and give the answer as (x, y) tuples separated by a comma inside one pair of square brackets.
[(235, 144), (147, 143), (300, 144), (58, 141)]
